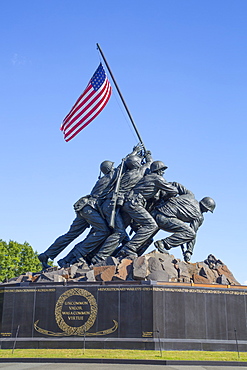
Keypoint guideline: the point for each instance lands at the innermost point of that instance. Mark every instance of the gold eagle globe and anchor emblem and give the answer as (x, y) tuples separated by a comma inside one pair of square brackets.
[(75, 313)]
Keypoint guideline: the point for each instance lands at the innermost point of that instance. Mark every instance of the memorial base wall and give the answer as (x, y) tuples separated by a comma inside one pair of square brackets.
[(148, 316)]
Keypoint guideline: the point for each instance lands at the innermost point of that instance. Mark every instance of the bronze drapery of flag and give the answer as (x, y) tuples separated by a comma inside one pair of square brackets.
[(91, 102)]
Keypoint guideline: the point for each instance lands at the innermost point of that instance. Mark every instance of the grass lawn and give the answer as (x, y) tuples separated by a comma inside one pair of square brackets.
[(124, 354)]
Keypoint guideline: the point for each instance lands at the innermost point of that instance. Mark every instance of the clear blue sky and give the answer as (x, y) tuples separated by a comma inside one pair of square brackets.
[(181, 67)]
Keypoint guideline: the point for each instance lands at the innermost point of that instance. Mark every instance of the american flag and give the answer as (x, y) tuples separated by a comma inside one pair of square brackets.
[(91, 102)]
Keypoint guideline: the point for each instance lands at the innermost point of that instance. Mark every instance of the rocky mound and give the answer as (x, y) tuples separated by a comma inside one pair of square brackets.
[(153, 266)]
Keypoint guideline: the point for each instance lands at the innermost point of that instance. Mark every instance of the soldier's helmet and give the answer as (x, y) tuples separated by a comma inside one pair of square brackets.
[(106, 167), (133, 161), (157, 165), (208, 203)]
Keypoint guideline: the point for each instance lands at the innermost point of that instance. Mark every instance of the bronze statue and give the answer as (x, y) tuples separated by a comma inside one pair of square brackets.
[(133, 194), (126, 180), (182, 216), (135, 172), (88, 212), (135, 202)]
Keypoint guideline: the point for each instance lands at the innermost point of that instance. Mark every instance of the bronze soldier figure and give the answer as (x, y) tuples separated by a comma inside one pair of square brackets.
[(87, 213), (135, 202), (136, 171), (182, 216), (97, 235)]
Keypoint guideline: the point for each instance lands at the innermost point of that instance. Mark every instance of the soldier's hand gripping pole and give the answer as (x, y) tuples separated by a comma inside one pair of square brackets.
[(115, 196)]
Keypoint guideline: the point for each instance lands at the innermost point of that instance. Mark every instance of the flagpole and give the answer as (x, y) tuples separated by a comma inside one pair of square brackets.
[(121, 96)]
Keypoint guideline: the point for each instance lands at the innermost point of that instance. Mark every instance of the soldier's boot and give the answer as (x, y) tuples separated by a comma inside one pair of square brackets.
[(44, 259), (126, 252), (161, 245), (80, 262), (62, 263), (71, 258)]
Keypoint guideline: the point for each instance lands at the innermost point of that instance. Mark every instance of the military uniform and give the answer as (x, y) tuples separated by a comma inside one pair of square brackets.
[(181, 216), (100, 230), (134, 206), (129, 179), (87, 215)]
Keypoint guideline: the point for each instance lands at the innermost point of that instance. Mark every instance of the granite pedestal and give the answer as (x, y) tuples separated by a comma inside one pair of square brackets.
[(129, 315)]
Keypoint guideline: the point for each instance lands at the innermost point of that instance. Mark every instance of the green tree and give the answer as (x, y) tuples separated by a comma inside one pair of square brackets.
[(17, 259)]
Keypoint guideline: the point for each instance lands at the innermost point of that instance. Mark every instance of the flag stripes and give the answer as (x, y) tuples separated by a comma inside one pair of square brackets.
[(88, 105)]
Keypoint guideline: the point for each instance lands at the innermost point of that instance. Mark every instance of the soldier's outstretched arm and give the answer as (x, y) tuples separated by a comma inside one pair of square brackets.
[(148, 157), (137, 150), (190, 246), (182, 190), (167, 187), (195, 224), (146, 166)]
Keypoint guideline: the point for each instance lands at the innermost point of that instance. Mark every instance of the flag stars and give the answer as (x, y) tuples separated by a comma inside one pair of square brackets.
[(98, 78)]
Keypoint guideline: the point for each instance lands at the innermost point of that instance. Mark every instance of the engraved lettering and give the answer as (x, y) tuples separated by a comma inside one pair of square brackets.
[(75, 318), (75, 303), (76, 313)]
